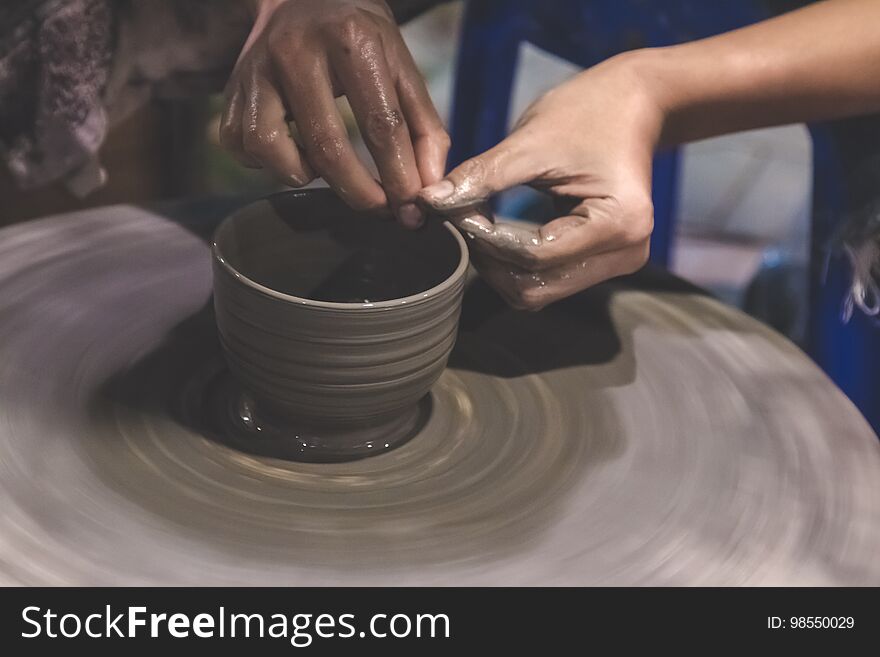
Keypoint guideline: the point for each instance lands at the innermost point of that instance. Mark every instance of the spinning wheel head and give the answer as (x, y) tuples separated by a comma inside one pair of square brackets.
[(635, 434)]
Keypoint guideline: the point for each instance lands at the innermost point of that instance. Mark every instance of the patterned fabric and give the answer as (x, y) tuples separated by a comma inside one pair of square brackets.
[(69, 69), (54, 62)]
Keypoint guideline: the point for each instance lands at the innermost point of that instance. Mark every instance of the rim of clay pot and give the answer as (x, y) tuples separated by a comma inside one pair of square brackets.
[(431, 292)]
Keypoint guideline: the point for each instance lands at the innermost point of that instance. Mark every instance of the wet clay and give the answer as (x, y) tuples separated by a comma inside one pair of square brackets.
[(333, 318), (505, 239), (212, 402), (639, 433)]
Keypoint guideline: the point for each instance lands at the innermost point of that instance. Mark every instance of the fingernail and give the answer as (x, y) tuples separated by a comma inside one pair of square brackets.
[(439, 191), (475, 226), (410, 215)]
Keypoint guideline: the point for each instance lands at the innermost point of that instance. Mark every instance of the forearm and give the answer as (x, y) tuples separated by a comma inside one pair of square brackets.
[(817, 63)]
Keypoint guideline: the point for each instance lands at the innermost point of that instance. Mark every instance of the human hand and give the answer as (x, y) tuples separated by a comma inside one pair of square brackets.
[(301, 55), (589, 143)]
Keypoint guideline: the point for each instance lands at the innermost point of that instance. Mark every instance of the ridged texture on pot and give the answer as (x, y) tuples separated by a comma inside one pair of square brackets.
[(327, 364), (337, 363)]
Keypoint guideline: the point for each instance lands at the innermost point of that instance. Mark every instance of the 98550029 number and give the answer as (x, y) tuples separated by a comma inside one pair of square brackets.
[(811, 622)]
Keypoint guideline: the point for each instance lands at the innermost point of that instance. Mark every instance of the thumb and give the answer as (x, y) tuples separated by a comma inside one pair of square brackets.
[(508, 164)]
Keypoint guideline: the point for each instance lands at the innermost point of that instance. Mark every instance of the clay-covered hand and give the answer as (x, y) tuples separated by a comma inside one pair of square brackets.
[(301, 55), (589, 143)]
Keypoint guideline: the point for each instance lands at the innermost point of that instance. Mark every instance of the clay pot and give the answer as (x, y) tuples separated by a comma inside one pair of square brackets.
[(335, 317)]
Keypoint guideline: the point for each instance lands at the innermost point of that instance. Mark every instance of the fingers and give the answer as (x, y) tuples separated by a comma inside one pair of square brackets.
[(430, 139), (254, 130), (363, 71), (266, 136), (596, 226), (532, 267), (528, 290), (510, 163), (315, 53), (231, 126), (309, 96)]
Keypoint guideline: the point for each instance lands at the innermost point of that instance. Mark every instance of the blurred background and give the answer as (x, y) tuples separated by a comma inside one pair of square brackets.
[(743, 203)]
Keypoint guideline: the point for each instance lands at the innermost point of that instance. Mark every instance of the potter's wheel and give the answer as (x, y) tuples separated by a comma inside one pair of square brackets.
[(641, 435)]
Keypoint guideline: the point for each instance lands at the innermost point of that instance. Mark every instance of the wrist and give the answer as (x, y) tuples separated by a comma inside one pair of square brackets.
[(657, 76), (636, 76), (702, 90)]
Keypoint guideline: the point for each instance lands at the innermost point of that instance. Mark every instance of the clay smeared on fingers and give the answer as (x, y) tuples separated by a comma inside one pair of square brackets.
[(504, 240), (529, 289)]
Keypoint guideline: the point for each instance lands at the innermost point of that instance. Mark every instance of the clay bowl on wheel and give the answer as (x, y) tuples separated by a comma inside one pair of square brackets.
[(331, 317)]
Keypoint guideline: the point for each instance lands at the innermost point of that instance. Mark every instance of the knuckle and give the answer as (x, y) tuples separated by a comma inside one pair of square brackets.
[(257, 143), (643, 255), (279, 44), (529, 292), (349, 27), (638, 258), (530, 300), (325, 150), (636, 220), (382, 124), (474, 168), (644, 209), (228, 136), (441, 139)]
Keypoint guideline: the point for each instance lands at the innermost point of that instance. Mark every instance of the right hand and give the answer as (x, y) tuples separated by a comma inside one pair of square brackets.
[(588, 144), (301, 55)]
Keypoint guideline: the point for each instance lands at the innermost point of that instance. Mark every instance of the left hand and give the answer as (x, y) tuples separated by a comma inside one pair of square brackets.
[(300, 56), (590, 144)]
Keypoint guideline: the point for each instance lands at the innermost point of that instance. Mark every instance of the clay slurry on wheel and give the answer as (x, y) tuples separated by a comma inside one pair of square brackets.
[(635, 434)]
